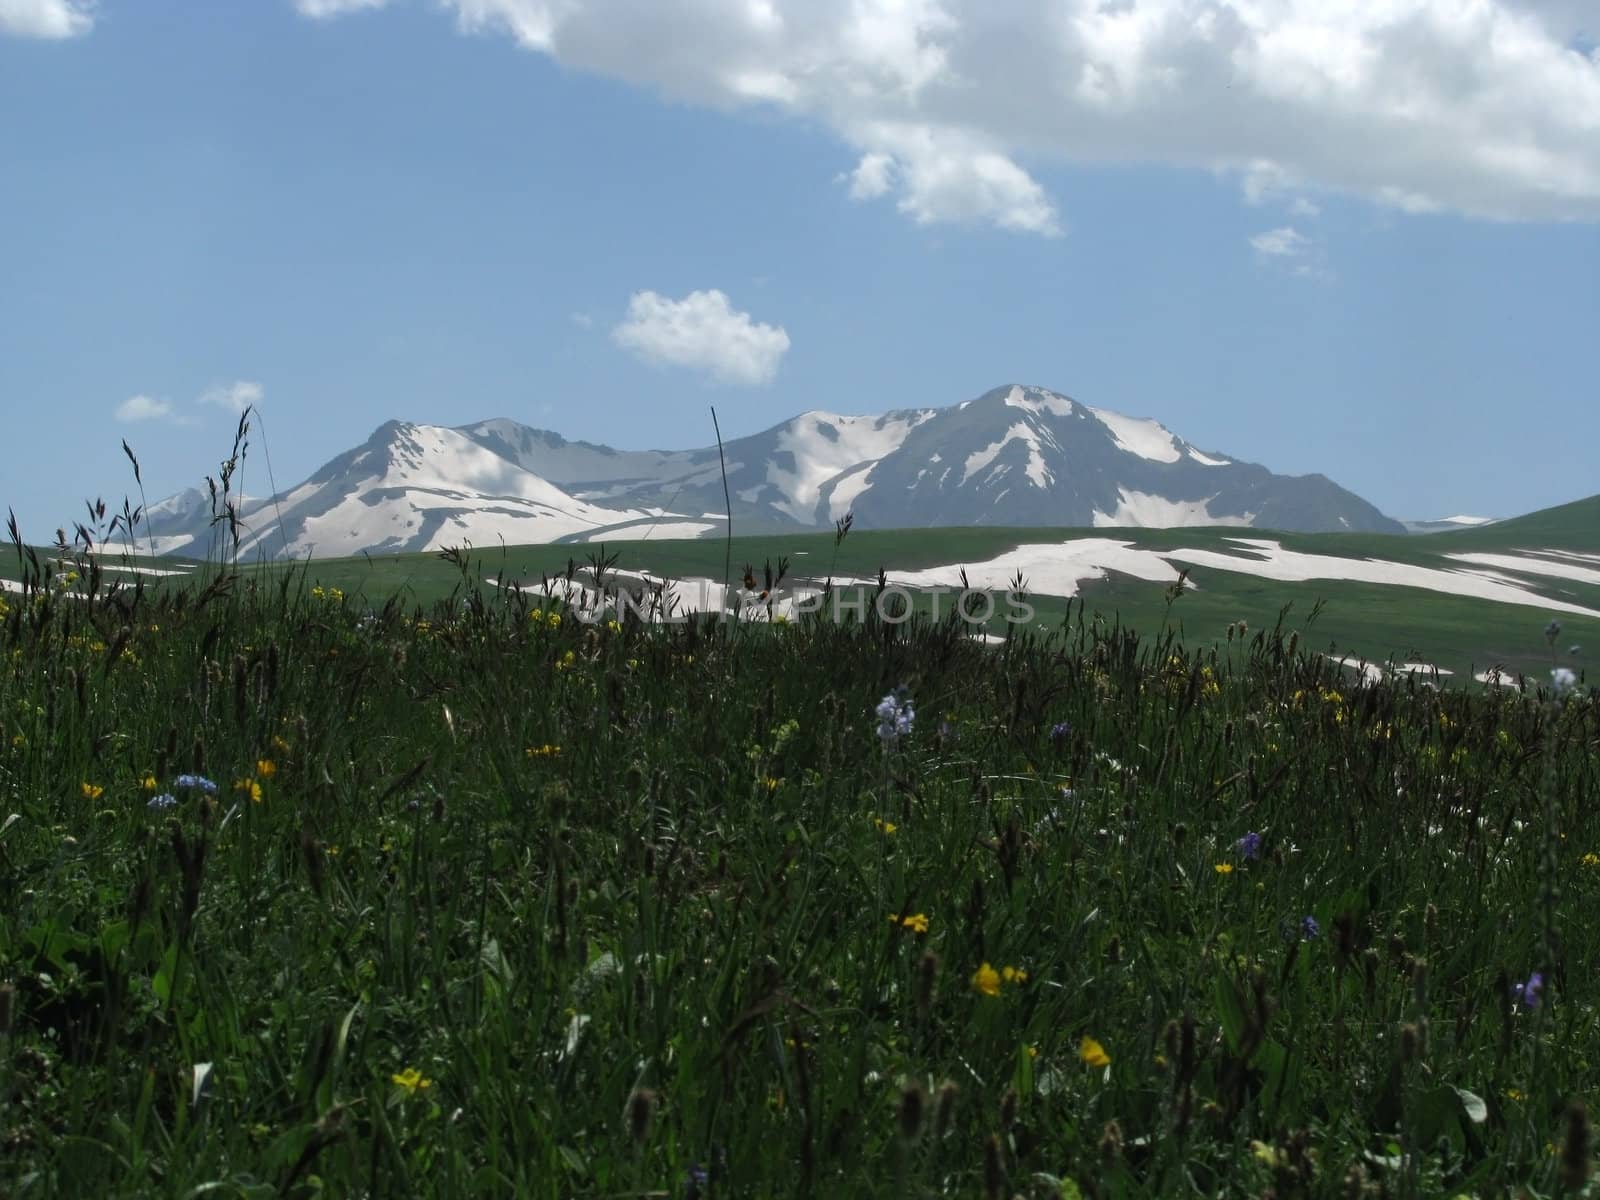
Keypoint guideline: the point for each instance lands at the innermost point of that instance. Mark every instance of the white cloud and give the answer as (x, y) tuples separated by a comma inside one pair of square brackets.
[(46, 18), (1301, 207), (1475, 106), (583, 320), (702, 331), (1286, 242), (1294, 251), (322, 10), (872, 177), (145, 408), (236, 396)]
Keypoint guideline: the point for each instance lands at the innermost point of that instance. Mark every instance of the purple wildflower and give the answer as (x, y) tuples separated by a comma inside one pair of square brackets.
[(1309, 928), (1527, 993), (1249, 845), (197, 783), (1059, 730), (163, 802)]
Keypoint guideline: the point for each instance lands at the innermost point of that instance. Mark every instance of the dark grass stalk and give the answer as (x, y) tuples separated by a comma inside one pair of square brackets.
[(727, 500)]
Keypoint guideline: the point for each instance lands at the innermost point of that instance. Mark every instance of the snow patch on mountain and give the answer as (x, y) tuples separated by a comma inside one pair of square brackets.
[(822, 445), (847, 487), (1205, 460), (1038, 400), (1037, 472), (1157, 512), (1137, 435)]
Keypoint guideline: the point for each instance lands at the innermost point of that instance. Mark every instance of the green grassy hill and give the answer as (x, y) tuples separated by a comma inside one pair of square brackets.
[(1462, 634)]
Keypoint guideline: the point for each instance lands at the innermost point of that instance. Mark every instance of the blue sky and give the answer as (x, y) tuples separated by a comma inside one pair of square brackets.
[(446, 210)]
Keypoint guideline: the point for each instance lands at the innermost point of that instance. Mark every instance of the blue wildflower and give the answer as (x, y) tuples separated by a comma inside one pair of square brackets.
[(694, 1179), (1309, 928), (1060, 730), (197, 783), (895, 718), (1249, 846), (1527, 993), (163, 802)]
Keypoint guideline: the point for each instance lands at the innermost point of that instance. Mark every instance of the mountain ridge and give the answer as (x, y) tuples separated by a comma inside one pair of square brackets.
[(1016, 455)]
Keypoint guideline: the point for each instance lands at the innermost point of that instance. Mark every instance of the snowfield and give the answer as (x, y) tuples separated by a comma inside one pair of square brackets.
[(1060, 568), (1529, 565)]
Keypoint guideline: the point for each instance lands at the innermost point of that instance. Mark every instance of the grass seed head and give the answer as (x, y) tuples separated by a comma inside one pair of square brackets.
[(1111, 1143), (994, 1168), (640, 1114)]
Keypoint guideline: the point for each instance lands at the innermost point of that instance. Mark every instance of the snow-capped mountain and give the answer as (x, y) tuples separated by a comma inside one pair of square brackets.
[(1014, 456)]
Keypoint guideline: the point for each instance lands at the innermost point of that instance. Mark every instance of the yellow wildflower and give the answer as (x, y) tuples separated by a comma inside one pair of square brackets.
[(266, 768), (544, 751), (250, 788), (1093, 1053), (412, 1080), (987, 980), (916, 922), (1590, 859), (770, 783), (883, 826), (148, 783), (566, 660), (613, 626), (1013, 975), (1267, 1155), (1223, 868), (92, 791), (553, 620)]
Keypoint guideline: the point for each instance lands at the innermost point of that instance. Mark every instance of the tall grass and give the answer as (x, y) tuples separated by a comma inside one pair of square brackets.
[(493, 901)]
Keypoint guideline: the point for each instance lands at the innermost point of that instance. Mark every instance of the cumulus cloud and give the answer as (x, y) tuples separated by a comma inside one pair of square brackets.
[(46, 18), (703, 331), (145, 408), (322, 10), (236, 396), (1484, 107)]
